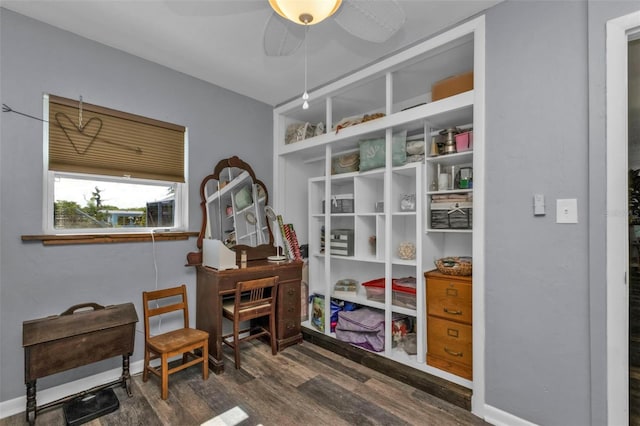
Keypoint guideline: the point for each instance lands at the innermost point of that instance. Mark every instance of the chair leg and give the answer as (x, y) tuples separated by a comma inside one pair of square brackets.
[(145, 370), (205, 360), (165, 376), (236, 343), (272, 334)]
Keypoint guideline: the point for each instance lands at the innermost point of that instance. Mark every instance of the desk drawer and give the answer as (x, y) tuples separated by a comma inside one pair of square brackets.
[(449, 298), (287, 328), (289, 293)]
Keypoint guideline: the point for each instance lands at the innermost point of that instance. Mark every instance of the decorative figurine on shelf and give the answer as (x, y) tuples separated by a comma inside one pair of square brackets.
[(407, 251), (408, 202)]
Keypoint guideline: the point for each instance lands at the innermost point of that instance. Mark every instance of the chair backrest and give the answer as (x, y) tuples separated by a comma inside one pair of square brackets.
[(260, 293), (156, 295)]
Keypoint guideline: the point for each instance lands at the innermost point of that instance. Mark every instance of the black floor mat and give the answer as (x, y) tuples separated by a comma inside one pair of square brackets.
[(86, 408)]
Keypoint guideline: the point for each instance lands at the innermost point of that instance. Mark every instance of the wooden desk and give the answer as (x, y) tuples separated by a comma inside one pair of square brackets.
[(74, 338), (212, 285)]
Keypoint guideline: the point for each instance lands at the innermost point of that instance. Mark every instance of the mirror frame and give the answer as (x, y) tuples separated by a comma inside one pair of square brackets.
[(253, 253)]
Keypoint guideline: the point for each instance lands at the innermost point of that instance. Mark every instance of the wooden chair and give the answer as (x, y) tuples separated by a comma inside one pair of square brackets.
[(180, 341), (253, 299)]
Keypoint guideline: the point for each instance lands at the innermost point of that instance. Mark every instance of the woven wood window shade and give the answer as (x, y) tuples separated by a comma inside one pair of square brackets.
[(113, 143)]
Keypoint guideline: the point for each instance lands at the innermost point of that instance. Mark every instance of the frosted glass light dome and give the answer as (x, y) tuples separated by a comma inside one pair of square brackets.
[(305, 12)]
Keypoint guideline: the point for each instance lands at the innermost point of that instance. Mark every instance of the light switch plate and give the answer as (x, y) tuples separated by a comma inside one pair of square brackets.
[(567, 210)]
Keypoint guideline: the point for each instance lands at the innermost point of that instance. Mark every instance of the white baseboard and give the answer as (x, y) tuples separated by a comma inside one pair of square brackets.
[(498, 417), (18, 405)]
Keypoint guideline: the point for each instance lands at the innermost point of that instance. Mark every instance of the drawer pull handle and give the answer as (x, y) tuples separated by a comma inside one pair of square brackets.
[(290, 310), (290, 292), (449, 311), (453, 353)]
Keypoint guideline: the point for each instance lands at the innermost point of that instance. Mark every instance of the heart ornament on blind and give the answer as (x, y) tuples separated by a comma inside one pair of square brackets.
[(80, 137)]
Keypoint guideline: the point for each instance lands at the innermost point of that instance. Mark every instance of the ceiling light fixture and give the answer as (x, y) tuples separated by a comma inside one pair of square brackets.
[(305, 12)]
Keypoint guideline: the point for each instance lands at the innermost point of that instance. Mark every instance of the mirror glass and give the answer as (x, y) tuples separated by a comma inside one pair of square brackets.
[(233, 205), (235, 209)]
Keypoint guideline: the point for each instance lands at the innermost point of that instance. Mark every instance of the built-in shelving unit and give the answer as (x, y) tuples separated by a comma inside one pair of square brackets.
[(305, 188)]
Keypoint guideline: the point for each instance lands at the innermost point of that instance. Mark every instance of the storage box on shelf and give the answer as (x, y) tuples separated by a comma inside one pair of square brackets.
[(452, 86), (341, 203), (345, 287), (342, 242), (451, 215), (403, 291), (464, 141)]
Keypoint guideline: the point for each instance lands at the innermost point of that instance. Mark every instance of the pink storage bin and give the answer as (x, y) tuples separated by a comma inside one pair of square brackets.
[(464, 141)]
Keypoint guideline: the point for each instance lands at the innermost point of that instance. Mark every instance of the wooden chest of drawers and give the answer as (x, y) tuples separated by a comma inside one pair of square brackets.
[(449, 323)]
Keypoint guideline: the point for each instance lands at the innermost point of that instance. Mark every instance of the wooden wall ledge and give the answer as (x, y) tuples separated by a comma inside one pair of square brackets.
[(66, 239)]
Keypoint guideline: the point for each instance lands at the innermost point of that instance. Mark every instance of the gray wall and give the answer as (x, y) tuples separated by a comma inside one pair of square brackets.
[(37, 281), (537, 347), (545, 283)]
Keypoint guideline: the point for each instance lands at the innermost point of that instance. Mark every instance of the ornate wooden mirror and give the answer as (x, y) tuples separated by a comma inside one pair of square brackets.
[(233, 202)]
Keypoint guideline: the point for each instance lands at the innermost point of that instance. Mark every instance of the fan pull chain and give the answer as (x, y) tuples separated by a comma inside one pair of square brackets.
[(305, 95)]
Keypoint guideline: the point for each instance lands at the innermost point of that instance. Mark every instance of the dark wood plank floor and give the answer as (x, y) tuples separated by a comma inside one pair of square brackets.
[(302, 385)]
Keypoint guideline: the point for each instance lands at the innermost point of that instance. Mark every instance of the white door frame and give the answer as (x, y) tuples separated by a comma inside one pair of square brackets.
[(617, 239)]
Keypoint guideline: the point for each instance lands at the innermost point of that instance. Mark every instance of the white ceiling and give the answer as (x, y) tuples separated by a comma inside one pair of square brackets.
[(221, 41)]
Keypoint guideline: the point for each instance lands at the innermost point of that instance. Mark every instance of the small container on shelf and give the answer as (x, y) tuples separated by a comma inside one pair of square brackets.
[(340, 203), (464, 141), (375, 290), (403, 291), (346, 287)]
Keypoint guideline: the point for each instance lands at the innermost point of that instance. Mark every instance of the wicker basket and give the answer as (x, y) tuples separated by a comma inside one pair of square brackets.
[(460, 266)]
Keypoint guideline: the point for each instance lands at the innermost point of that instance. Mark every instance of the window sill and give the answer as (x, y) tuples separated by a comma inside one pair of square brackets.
[(66, 239)]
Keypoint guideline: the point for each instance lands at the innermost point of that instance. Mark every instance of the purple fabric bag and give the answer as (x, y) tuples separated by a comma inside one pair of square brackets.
[(363, 327)]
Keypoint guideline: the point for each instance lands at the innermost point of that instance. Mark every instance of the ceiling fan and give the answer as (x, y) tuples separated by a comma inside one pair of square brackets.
[(374, 21)]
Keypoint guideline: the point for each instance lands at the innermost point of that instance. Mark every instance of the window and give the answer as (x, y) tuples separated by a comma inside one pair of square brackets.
[(109, 172)]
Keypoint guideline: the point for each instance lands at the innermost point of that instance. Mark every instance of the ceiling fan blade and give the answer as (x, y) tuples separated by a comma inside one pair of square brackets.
[(213, 7), (281, 36), (375, 21)]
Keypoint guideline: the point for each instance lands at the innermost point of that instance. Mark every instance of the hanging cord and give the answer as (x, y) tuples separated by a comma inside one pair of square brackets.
[(136, 149), (7, 108)]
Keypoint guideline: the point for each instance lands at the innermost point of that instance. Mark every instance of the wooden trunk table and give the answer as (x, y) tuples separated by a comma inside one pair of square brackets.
[(81, 335)]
